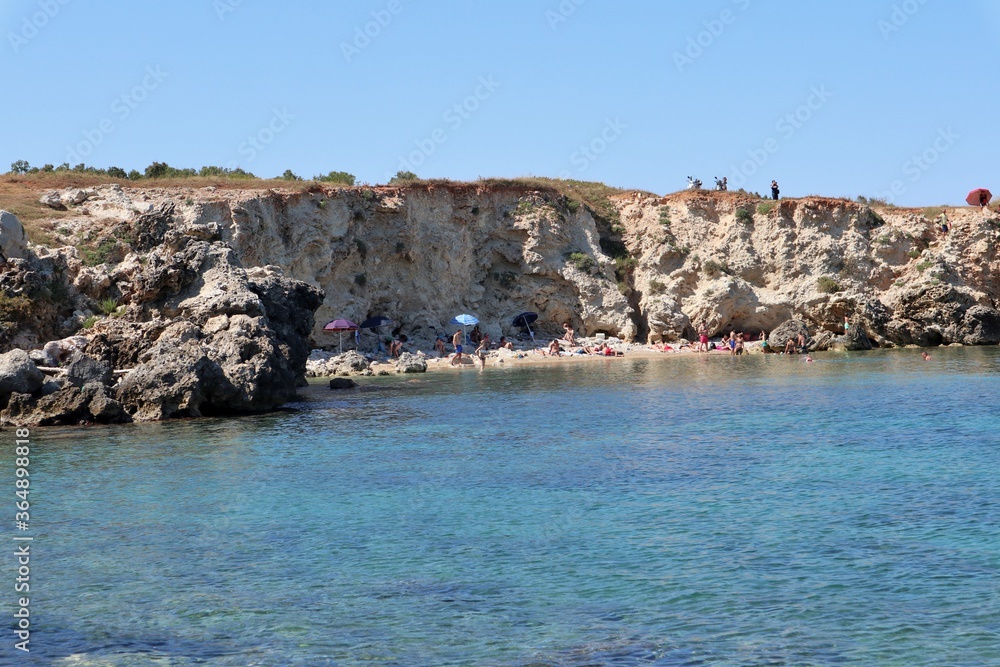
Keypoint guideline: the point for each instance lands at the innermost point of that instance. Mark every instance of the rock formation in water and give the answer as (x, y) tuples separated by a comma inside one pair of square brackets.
[(188, 329)]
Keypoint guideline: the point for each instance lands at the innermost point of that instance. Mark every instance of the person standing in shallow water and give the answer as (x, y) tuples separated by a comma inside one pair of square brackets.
[(774, 190), (703, 337), (456, 341)]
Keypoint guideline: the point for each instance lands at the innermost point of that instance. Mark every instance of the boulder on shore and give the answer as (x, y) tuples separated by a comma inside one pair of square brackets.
[(410, 363), (18, 374), (13, 239), (790, 329), (854, 339)]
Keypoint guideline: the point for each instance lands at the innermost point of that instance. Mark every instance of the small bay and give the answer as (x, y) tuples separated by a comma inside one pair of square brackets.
[(676, 511)]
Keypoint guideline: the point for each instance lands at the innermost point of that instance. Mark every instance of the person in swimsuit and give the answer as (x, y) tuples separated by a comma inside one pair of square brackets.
[(703, 337), (456, 340), (484, 345), (569, 336)]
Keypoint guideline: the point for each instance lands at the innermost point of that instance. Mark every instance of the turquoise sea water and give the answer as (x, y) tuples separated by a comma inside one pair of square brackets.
[(683, 511)]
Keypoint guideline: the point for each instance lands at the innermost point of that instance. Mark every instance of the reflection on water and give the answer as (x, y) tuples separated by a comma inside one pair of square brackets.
[(682, 511)]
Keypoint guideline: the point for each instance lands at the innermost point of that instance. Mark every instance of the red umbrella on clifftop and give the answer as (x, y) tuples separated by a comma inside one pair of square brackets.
[(979, 197), (340, 326)]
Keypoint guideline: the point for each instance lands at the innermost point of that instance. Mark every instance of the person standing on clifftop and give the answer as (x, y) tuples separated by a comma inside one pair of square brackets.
[(943, 221), (774, 190)]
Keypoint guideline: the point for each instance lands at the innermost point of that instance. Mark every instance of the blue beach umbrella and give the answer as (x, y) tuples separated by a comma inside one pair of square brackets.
[(465, 320)]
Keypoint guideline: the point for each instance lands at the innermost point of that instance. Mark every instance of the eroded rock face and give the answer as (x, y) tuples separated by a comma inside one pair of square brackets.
[(224, 342)]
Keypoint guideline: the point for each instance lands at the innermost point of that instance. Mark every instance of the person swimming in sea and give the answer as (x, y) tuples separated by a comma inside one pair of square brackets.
[(925, 356)]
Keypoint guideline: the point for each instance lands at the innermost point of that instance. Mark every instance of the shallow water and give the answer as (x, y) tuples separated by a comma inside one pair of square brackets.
[(685, 511)]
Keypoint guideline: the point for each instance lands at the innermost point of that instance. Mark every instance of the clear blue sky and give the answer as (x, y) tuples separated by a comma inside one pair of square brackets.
[(124, 83)]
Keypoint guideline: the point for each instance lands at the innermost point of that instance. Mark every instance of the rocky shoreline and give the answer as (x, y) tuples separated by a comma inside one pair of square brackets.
[(147, 304)]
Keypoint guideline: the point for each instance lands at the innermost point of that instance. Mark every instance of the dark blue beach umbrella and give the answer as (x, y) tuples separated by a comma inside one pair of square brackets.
[(374, 323), (524, 320)]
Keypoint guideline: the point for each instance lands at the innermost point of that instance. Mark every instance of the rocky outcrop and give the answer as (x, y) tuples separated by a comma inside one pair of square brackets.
[(785, 332), (195, 334), (853, 340), (68, 404), (221, 340)]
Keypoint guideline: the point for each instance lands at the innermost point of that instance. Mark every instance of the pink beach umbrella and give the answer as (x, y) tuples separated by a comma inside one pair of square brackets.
[(975, 197), (340, 326)]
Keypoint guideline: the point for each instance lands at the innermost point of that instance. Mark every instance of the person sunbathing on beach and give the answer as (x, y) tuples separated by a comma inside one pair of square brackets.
[(554, 349), (505, 344), (475, 336)]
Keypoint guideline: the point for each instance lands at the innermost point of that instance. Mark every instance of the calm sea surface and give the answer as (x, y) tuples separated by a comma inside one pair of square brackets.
[(685, 511)]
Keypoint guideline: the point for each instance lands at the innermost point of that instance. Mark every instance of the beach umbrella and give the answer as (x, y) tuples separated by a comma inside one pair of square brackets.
[(340, 326), (374, 323), (975, 197), (465, 320), (524, 320)]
